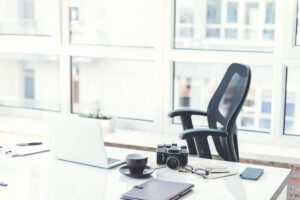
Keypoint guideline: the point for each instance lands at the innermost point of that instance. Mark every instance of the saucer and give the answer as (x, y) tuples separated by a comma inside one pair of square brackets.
[(147, 171)]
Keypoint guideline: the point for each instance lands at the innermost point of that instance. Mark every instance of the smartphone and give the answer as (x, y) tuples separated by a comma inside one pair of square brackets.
[(251, 173)]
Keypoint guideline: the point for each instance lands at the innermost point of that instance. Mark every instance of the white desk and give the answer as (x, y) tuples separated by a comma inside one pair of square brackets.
[(40, 177)]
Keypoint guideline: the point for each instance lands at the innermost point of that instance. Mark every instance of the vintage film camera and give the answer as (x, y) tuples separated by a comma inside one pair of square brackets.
[(172, 155)]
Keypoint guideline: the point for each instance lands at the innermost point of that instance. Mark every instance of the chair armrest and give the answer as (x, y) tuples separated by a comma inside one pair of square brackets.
[(190, 133), (186, 111)]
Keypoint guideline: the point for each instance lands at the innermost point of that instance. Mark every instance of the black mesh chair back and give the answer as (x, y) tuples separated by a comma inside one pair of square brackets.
[(222, 112), (225, 106)]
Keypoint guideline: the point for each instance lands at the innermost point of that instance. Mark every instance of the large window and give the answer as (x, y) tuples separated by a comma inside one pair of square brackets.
[(26, 17), (122, 88), (29, 81), (113, 22), (139, 59), (193, 88), (244, 25), (292, 106)]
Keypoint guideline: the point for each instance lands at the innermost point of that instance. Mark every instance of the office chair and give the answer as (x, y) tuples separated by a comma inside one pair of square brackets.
[(222, 112)]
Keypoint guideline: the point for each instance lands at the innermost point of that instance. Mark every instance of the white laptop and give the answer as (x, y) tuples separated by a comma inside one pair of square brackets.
[(78, 140)]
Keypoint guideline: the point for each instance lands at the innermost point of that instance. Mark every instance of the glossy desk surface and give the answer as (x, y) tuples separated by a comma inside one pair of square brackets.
[(40, 177)]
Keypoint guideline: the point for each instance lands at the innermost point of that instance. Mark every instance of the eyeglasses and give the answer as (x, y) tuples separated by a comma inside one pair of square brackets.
[(198, 171)]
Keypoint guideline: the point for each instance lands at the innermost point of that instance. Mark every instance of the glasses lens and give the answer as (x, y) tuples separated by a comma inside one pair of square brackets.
[(186, 168), (202, 171)]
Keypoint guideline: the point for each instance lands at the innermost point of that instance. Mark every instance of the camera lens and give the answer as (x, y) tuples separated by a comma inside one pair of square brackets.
[(173, 163)]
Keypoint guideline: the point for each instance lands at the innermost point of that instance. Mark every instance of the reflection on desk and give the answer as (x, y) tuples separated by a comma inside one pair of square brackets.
[(40, 177)]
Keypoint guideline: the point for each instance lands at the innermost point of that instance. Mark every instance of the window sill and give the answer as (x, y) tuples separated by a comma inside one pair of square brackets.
[(247, 150), (143, 139)]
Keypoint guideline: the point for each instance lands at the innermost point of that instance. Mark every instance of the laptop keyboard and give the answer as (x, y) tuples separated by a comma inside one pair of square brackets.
[(112, 160)]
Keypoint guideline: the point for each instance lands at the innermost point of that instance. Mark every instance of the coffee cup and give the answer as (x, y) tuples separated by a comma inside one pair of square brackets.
[(136, 163)]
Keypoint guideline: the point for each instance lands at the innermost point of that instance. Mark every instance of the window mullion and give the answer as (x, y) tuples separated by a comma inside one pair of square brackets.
[(65, 83), (65, 60), (288, 30), (168, 45), (158, 79), (65, 29), (278, 100)]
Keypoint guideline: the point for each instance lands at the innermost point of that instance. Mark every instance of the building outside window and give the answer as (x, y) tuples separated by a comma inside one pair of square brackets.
[(101, 22), (292, 117), (227, 24), (117, 87), (29, 88), (290, 111), (33, 81), (26, 17)]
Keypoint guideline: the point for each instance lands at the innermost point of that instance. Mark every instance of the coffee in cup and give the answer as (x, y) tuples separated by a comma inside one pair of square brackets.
[(136, 163)]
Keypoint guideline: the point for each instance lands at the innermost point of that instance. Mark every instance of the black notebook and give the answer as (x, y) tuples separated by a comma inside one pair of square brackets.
[(156, 189)]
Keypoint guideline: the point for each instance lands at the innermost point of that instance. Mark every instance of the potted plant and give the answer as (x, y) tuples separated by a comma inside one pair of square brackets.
[(108, 123)]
